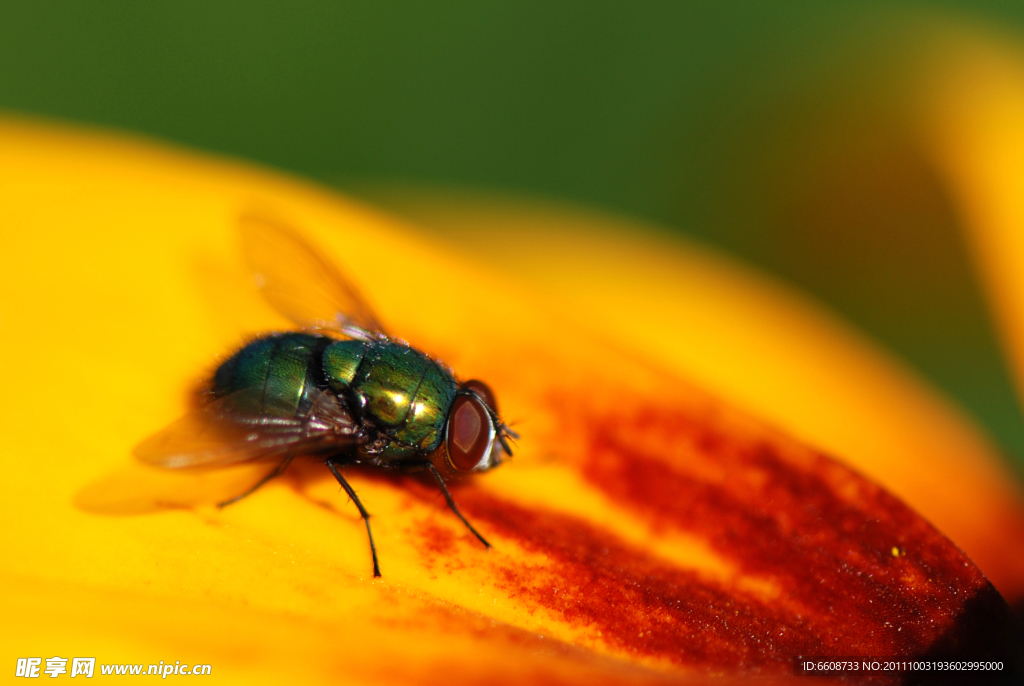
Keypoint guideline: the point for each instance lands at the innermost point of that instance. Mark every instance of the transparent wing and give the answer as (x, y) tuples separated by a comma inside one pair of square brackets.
[(224, 432), (297, 282)]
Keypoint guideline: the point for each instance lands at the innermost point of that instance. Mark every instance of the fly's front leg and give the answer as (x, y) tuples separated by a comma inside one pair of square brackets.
[(362, 512), (448, 496)]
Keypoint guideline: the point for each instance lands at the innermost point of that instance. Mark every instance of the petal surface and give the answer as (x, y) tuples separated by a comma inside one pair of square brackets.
[(646, 530)]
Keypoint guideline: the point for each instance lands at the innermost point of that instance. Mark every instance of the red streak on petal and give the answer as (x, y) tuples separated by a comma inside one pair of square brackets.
[(778, 512)]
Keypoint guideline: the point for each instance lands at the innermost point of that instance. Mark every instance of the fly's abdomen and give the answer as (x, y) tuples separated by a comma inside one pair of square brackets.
[(341, 363), (280, 369)]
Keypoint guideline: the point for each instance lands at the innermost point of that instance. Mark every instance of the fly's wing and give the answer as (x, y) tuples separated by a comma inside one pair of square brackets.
[(224, 432), (297, 282)]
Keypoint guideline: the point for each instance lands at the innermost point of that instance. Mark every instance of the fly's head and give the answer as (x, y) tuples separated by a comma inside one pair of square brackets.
[(476, 439)]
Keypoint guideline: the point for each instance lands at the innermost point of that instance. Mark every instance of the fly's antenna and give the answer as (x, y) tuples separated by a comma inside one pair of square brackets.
[(505, 436)]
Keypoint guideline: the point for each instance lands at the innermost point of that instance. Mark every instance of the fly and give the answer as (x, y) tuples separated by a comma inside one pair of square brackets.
[(341, 390)]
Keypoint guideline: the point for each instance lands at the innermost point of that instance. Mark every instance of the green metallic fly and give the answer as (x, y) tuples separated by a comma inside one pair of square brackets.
[(342, 390)]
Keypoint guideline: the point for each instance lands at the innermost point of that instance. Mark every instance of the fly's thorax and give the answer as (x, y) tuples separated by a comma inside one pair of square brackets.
[(387, 382), (406, 395), (428, 413)]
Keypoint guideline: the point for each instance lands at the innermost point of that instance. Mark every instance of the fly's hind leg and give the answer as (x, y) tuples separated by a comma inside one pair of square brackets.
[(362, 512), (275, 472)]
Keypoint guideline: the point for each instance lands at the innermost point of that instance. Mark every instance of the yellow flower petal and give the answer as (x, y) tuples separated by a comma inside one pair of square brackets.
[(646, 530)]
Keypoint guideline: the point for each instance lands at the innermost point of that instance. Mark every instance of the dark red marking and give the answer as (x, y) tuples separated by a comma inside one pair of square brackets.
[(819, 532), (437, 544)]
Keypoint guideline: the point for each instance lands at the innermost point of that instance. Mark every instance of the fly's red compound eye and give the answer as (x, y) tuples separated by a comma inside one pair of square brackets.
[(484, 391), (470, 433)]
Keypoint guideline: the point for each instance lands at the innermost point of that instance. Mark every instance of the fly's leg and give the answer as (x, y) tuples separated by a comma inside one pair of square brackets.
[(275, 472), (362, 512), (448, 498)]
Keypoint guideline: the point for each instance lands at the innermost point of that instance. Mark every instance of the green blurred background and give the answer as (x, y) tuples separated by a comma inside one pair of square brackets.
[(778, 134)]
